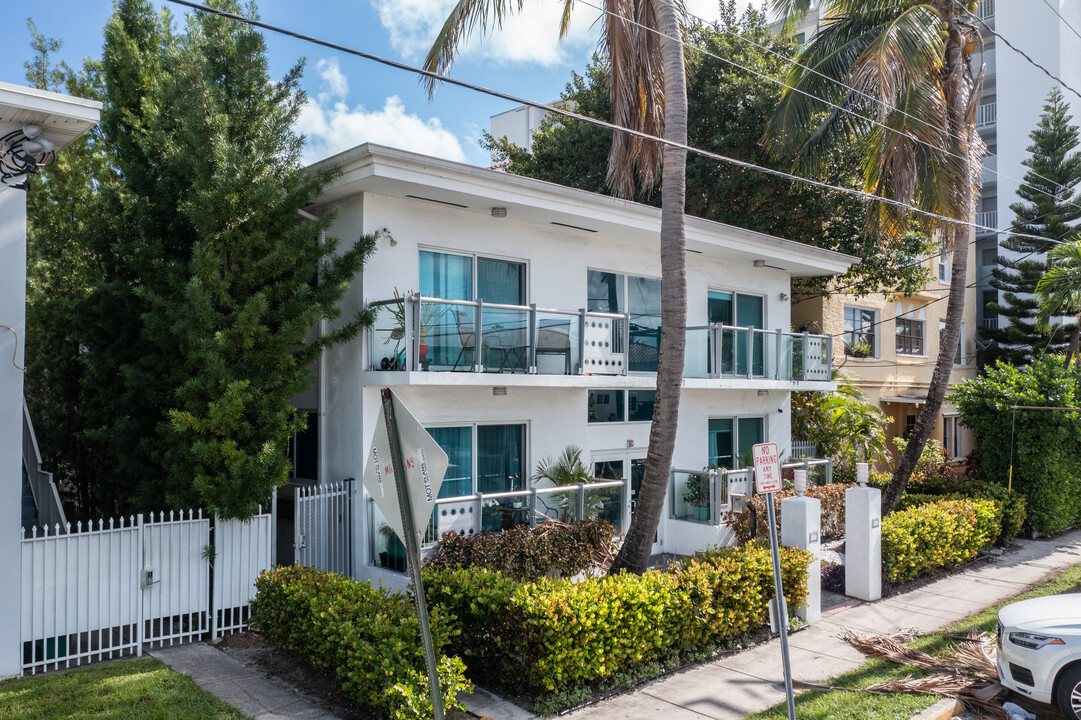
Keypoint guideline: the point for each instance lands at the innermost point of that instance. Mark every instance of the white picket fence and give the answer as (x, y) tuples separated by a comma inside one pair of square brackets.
[(324, 526), (105, 591)]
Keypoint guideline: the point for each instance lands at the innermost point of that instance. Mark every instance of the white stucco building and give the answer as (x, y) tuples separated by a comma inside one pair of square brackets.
[(530, 323), (26, 115)]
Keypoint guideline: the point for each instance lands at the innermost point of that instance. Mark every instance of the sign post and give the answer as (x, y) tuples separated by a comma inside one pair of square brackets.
[(404, 473), (767, 475)]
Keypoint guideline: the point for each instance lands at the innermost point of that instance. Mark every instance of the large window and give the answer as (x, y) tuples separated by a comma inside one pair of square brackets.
[(742, 311), (640, 297), (731, 439), (951, 437), (860, 330), (482, 458), (909, 336), (621, 405)]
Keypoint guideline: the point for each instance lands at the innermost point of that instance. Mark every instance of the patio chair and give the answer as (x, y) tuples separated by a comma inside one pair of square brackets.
[(467, 336), (554, 338)]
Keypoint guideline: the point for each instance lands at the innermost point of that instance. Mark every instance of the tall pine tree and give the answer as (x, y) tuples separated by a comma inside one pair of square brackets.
[(1047, 209)]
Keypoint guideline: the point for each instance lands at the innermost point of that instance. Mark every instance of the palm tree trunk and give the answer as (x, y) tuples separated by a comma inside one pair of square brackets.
[(1074, 338), (634, 555), (955, 306)]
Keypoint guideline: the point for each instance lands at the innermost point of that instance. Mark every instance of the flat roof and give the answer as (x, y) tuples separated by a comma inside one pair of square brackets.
[(62, 118), (389, 171)]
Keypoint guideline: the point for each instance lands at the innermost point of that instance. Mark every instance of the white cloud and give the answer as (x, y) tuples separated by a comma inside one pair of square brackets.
[(333, 127), (529, 36), (332, 75)]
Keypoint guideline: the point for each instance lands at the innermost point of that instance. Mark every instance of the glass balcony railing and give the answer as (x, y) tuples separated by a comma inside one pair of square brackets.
[(723, 351)]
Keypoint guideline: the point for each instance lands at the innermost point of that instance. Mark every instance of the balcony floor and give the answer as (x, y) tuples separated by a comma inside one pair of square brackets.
[(647, 382)]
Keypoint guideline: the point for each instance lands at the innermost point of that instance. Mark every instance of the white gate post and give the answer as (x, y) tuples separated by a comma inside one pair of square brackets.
[(140, 633), (863, 539), (802, 529)]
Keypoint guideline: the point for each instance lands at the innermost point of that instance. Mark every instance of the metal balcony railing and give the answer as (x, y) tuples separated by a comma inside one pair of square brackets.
[(725, 351), (987, 219), (986, 114), (986, 10)]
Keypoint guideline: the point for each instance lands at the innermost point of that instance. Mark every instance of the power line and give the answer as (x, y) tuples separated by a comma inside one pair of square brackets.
[(1064, 20), (600, 123)]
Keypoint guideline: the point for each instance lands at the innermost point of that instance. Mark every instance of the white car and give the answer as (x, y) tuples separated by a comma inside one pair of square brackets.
[(1039, 650)]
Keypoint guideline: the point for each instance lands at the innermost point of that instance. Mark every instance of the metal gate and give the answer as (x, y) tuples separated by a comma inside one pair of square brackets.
[(324, 526)]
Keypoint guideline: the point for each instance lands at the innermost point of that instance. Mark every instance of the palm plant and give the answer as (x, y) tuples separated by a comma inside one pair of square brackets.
[(1059, 291), (902, 69), (567, 469), (642, 42)]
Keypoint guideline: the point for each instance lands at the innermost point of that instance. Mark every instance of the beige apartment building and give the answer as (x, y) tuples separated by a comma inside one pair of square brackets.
[(888, 345)]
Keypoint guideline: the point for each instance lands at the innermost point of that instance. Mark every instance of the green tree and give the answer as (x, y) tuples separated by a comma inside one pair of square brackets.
[(843, 425), (1058, 293), (1047, 209), (914, 57), (643, 43), (729, 107), (194, 330)]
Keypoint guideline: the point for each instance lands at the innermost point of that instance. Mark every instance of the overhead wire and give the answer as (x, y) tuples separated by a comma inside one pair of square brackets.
[(1064, 20)]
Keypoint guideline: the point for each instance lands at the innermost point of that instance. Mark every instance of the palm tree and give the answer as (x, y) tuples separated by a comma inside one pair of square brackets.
[(906, 64), (1059, 291), (642, 41)]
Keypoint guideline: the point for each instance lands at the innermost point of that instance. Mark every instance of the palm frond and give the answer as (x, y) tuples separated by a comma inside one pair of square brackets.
[(466, 17)]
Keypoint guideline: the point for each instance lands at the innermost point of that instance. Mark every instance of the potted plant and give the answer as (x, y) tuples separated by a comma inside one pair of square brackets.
[(696, 494), (393, 557)]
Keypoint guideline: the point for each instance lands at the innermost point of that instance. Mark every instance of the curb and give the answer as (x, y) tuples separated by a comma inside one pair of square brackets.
[(944, 709)]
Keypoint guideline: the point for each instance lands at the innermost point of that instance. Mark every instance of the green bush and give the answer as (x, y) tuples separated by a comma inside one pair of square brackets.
[(522, 553), (1046, 445), (937, 535), (831, 496), (550, 633), (367, 637), (1010, 502)]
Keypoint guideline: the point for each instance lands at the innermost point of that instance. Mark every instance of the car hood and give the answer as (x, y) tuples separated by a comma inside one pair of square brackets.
[(1054, 614)]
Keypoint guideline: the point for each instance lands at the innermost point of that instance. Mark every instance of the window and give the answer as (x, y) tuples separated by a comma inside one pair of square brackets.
[(958, 358), (988, 256), (482, 458), (910, 426), (742, 311), (909, 336), (640, 297), (608, 405), (303, 450), (951, 437), (453, 277), (860, 332), (944, 268), (731, 439)]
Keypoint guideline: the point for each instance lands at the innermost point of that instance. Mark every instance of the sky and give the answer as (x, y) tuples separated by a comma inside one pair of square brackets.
[(351, 100)]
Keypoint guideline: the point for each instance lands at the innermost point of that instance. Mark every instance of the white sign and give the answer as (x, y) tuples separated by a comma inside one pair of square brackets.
[(423, 462), (767, 467)]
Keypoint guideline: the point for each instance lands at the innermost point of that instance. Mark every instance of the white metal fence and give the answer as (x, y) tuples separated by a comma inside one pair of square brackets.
[(324, 526), (102, 591)]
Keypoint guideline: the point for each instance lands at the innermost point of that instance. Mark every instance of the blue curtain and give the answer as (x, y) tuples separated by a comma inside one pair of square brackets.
[(457, 443), (500, 458), (644, 306), (721, 443), (501, 282), (444, 276)]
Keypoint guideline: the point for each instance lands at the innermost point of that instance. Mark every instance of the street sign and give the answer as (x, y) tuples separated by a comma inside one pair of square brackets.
[(767, 467), (424, 464)]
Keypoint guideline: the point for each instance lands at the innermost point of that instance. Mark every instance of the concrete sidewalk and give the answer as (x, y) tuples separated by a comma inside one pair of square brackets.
[(752, 680), (244, 688)]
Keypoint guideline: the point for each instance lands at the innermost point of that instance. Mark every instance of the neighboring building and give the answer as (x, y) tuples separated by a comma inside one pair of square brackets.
[(889, 346), (26, 116), (546, 337)]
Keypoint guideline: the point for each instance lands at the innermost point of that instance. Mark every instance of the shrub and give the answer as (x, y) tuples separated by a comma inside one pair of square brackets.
[(831, 496), (1045, 444), (551, 548), (1010, 502), (937, 535), (553, 632), (367, 637)]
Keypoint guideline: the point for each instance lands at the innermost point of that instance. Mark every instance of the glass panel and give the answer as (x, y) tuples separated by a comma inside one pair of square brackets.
[(387, 337), (749, 314), (504, 514), (750, 431), (691, 497), (447, 339), (505, 340), (721, 308), (388, 551), (557, 344), (605, 406), (696, 360), (500, 461), (457, 443), (501, 282), (721, 443), (644, 306), (729, 343), (445, 276), (607, 504), (562, 505), (640, 405), (859, 332), (605, 292)]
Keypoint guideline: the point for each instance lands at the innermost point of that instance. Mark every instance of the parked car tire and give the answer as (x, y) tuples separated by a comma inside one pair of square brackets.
[(1068, 693)]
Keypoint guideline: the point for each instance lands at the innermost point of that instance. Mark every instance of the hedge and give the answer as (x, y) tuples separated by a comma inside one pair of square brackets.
[(552, 633), (1011, 503), (831, 496), (523, 553), (937, 535), (367, 637)]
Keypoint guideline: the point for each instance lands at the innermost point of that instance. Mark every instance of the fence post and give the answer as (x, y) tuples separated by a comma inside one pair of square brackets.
[(626, 343), (581, 501), (533, 338), (777, 359), (750, 352), (801, 529), (274, 527), (478, 336), (581, 341), (533, 507), (829, 471), (140, 633), (625, 498)]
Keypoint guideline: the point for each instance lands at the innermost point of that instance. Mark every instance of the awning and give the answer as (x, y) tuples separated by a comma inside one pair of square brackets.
[(903, 399)]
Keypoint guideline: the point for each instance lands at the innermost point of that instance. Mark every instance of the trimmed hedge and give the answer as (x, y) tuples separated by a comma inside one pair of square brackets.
[(1011, 502), (367, 637), (831, 496), (937, 535), (549, 549), (552, 633)]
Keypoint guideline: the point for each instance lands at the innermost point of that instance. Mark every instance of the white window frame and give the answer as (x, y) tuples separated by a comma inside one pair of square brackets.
[(909, 318), (876, 324), (951, 426), (474, 256), (944, 262), (959, 354), (735, 433), (527, 462)]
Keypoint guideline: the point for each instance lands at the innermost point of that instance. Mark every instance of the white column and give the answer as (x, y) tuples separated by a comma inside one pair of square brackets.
[(801, 528), (863, 539), (13, 314)]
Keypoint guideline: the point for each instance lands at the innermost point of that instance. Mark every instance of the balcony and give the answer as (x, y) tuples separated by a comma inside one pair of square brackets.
[(986, 219), (990, 170), (986, 115), (990, 323), (471, 338), (986, 11)]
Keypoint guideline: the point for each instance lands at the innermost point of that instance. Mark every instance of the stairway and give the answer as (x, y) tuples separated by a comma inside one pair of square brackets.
[(29, 509)]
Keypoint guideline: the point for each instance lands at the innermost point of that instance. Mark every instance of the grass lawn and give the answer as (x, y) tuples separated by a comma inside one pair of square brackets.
[(135, 689), (838, 705)]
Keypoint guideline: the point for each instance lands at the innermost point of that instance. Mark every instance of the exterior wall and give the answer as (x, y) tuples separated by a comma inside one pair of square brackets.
[(519, 124), (889, 374), (12, 313)]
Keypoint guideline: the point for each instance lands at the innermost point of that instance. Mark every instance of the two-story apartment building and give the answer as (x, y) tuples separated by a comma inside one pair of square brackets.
[(516, 317)]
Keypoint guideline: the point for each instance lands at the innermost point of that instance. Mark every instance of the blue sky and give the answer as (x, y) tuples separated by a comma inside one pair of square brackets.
[(353, 100)]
